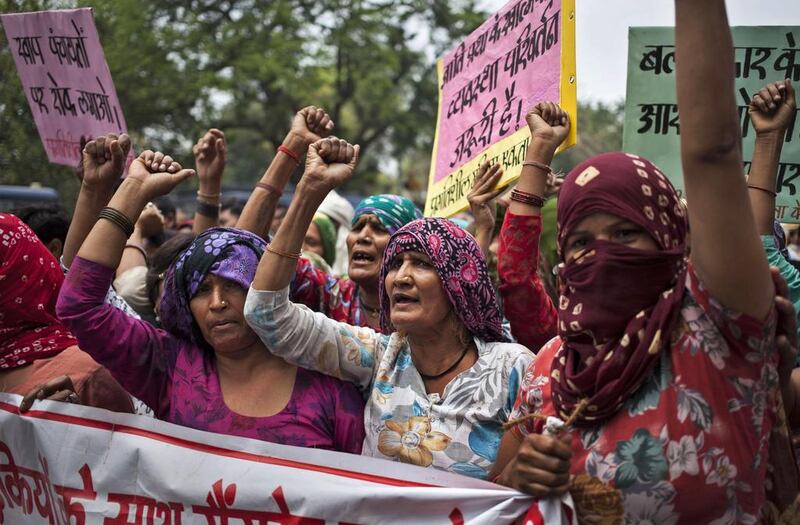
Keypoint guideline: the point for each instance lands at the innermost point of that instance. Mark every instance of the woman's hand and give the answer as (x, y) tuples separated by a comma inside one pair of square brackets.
[(773, 107), (553, 186), (311, 124), (210, 154), (151, 222), (58, 389), (103, 161), (155, 174), (549, 125), (483, 204), (541, 466), (329, 164)]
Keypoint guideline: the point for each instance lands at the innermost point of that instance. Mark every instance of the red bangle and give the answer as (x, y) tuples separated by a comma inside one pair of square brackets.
[(527, 198), (291, 153), (269, 187), (765, 190)]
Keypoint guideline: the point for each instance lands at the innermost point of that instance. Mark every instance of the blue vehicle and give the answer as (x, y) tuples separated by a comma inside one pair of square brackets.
[(12, 197)]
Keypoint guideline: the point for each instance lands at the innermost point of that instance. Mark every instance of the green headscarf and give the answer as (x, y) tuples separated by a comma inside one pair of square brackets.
[(327, 234), (393, 211)]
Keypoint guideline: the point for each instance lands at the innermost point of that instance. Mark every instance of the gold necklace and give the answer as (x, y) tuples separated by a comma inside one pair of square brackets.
[(372, 312)]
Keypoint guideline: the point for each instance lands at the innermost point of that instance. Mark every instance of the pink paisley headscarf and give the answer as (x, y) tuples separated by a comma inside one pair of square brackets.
[(462, 268)]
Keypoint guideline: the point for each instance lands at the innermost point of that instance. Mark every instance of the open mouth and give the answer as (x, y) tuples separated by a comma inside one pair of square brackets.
[(363, 257), (401, 298)]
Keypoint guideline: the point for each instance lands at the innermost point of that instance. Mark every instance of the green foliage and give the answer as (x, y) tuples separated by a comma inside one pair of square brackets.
[(599, 131)]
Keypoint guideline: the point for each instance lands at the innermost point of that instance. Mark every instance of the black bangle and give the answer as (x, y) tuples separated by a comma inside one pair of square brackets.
[(208, 210), (118, 218)]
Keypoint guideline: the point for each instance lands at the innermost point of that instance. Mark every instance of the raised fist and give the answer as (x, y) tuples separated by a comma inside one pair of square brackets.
[(311, 124), (329, 164), (103, 160), (548, 123), (157, 174)]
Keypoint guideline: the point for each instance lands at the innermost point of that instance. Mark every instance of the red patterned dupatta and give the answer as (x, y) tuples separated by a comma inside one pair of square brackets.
[(30, 279), (618, 304)]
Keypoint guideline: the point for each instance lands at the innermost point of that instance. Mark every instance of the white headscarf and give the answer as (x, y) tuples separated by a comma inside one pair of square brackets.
[(341, 211)]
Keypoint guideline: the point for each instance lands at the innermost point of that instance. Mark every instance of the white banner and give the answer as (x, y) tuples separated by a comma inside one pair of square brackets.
[(67, 464)]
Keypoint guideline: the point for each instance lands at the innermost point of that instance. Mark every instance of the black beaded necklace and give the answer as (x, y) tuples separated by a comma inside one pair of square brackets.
[(452, 367)]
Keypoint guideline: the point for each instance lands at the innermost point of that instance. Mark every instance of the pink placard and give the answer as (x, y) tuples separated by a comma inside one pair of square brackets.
[(65, 77), (490, 81)]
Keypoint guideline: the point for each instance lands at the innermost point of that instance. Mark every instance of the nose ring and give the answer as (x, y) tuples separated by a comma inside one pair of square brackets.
[(223, 302)]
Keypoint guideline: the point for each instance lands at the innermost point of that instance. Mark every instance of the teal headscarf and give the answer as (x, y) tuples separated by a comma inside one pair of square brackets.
[(327, 234), (393, 211)]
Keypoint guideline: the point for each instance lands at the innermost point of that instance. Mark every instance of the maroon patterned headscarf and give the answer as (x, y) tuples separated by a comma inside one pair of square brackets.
[(618, 304), (462, 268)]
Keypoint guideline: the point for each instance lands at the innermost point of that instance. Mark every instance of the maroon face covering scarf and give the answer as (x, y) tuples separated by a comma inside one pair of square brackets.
[(618, 304)]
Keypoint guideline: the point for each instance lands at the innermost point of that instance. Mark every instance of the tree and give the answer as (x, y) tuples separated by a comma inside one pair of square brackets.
[(599, 131), (181, 66)]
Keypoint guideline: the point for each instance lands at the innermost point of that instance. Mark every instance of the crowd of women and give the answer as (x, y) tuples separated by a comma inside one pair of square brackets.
[(657, 386)]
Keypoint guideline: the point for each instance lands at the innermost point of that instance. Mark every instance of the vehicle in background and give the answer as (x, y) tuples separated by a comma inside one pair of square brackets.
[(13, 197)]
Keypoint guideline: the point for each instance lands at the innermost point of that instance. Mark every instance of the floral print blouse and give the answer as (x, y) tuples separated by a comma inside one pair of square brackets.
[(459, 431), (691, 446), (526, 304)]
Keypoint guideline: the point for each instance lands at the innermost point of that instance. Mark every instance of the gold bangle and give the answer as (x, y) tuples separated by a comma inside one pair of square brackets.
[(294, 256), (536, 164), (208, 195), (137, 247)]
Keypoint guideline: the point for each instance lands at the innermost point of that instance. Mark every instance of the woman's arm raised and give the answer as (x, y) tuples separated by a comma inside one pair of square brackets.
[(771, 111), (309, 125), (102, 163), (329, 164), (150, 175), (721, 219)]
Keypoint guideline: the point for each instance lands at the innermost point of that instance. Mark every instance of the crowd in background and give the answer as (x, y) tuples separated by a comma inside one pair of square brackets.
[(637, 351)]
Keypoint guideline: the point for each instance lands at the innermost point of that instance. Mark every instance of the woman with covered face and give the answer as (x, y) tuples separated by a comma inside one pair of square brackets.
[(207, 369), (443, 383), (665, 358)]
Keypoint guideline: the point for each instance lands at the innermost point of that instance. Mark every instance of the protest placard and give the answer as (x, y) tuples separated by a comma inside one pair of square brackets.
[(652, 129), (62, 463), (522, 55), (65, 77)]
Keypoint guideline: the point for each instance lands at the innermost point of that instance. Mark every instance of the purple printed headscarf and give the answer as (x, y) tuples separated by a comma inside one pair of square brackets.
[(225, 252), (461, 267)]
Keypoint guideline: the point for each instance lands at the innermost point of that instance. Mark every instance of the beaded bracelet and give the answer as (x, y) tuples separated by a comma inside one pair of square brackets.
[(292, 154), (294, 256), (527, 198), (118, 219), (269, 188)]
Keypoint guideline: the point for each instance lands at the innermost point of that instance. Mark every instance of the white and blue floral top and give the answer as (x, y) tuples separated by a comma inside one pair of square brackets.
[(459, 431)]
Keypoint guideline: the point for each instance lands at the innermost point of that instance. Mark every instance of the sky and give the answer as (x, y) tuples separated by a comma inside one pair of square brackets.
[(602, 34)]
